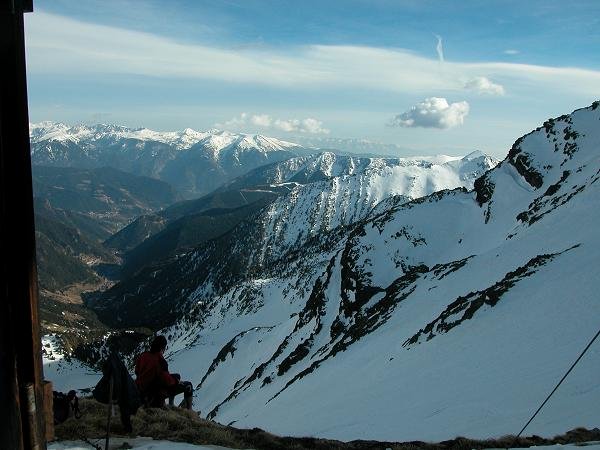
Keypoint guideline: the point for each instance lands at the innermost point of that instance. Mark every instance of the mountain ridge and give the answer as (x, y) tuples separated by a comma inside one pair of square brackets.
[(315, 203), (328, 173)]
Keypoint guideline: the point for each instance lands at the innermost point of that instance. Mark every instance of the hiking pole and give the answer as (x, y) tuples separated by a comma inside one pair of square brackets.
[(110, 397), (560, 382)]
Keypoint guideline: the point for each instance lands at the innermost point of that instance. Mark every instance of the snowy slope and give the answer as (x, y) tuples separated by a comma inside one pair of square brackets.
[(454, 314), (351, 188), (194, 162), (65, 373)]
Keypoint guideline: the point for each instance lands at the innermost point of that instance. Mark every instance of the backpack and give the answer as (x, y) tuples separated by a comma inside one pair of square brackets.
[(125, 391), (63, 404)]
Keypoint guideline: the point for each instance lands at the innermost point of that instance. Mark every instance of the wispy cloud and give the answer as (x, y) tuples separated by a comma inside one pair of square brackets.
[(433, 112), (511, 51), (244, 120), (58, 45), (439, 48), (483, 85)]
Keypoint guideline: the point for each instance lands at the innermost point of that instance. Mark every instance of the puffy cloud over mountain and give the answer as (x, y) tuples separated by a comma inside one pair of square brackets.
[(433, 112), (308, 125)]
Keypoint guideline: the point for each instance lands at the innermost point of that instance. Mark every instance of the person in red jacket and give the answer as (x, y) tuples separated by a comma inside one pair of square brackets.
[(154, 381)]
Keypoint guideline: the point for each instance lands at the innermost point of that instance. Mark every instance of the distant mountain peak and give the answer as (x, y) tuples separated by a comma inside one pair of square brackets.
[(474, 154), (194, 162)]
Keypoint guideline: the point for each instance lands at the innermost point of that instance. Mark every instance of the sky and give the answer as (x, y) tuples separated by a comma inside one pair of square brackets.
[(429, 76)]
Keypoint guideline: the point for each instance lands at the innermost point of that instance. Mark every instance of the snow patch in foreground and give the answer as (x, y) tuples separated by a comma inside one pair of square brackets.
[(150, 444), (141, 443), (66, 373), (579, 446)]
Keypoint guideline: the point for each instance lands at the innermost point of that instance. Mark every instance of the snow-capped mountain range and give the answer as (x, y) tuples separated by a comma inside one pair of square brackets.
[(452, 314), (367, 303), (194, 162), (215, 140)]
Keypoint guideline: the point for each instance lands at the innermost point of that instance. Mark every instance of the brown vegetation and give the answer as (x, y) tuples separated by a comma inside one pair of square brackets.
[(179, 425)]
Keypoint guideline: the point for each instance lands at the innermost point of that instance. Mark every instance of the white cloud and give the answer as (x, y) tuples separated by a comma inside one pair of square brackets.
[(235, 123), (313, 126), (59, 45), (287, 125), (261, 120), (483, 85), (308, 125), (511, 51), (433, 112)]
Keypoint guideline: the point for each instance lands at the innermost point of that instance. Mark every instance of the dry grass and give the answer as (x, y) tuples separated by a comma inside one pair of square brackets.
[(180, 425)]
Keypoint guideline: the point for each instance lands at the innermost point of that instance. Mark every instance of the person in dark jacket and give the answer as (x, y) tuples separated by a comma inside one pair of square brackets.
[(154, 381)]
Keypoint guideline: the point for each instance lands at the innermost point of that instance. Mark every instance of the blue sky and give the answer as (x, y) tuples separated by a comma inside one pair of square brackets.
[(431, 76)]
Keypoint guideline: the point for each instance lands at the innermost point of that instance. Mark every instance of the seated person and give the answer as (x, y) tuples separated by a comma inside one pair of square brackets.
[(154, 381)]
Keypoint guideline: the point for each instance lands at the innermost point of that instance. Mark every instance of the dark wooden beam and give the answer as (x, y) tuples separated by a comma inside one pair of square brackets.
[(21, 389), (16, 6)]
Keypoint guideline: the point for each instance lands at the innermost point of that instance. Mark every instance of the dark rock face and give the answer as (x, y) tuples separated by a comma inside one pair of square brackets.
[(484, 189), (466, 307), (522, 163)]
